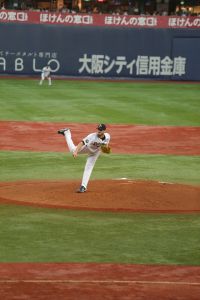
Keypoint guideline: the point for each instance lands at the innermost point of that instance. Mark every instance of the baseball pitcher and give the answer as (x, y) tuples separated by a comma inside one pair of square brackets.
[(92, 145)]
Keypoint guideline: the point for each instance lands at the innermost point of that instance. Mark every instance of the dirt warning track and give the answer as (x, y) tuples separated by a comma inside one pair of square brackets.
[(98, 281)]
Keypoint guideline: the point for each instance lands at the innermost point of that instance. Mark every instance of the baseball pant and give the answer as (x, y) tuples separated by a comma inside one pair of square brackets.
[(43, 78), (91, 159)]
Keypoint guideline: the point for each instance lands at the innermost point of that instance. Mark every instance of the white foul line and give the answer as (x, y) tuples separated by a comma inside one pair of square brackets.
[(98, 281)]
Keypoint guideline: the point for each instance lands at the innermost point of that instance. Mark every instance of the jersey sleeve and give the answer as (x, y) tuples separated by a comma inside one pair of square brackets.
[(87, 139)]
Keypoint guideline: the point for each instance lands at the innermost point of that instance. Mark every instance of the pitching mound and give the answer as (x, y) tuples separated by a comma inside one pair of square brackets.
[(111, 195)]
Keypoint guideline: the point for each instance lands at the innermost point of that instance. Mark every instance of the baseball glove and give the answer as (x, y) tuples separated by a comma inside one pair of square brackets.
[(105, 149)]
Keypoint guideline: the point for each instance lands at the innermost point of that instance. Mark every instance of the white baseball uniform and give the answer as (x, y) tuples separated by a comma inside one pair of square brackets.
[(46, 71), (92, 147)]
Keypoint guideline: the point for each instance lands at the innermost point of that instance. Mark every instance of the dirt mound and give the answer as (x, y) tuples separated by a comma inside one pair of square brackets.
[(111, 195)]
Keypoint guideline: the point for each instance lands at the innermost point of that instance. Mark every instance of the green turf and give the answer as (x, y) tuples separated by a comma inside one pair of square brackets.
[(27, 165), (43, 235), (93, 102)]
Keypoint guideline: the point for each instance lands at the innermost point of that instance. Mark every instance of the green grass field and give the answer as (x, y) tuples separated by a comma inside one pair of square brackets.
[(48, 235), (171, 168), (94, 102)]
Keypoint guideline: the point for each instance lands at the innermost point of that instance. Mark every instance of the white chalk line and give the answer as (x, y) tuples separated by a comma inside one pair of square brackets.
[(68, 281)]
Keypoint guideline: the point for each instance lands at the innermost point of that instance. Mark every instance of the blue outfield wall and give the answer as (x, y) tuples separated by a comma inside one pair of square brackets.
[(168, 54)]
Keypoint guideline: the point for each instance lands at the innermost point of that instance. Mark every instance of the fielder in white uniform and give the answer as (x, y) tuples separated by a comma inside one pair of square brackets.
[(46, 73), (90, 145)]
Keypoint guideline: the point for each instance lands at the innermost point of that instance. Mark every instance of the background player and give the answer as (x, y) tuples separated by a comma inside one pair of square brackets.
[(46, 73), (90, 145)]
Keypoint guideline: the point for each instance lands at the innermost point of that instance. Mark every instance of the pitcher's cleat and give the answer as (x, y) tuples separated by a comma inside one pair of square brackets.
[(82, 189), (62, 131)]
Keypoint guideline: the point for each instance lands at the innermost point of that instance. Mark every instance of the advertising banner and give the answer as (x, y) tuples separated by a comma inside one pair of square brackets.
[(127, 21), (100, 52)]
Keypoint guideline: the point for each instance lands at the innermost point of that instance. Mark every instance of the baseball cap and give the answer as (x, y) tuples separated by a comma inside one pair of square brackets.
[(101, 127)]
